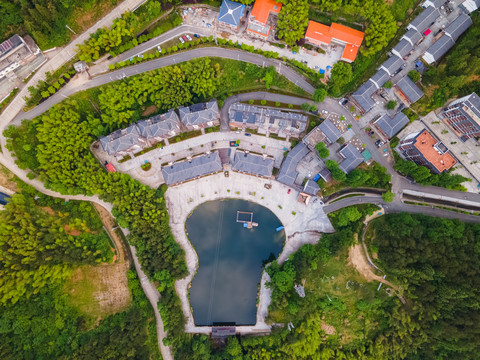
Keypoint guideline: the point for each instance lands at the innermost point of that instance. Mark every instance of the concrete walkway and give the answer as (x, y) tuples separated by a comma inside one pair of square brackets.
[(153, 296), (303, 225)]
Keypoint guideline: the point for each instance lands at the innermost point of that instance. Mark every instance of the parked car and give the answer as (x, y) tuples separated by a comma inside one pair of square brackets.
[(324, 111), (189, 37), (159, 48), (181, 40), (289, 190), (184, 38), (196, 35), (248, 134), (379, 143)]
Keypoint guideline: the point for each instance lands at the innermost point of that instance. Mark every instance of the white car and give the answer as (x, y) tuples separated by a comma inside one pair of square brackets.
[(325, 111), (189, 37), (181, 40), (159, 48)]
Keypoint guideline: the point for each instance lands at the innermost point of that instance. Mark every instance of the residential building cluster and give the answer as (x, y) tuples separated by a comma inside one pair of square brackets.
[(266, 120), (146, 133), (261, 21)]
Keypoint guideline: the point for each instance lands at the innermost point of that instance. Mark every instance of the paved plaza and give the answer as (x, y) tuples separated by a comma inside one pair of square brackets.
[(191, 147), (303, 225)]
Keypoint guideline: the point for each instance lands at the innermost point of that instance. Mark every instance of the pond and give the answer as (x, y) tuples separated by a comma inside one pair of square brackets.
[(225, 286)]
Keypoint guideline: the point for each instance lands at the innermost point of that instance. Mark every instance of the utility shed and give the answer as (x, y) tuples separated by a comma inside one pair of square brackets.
[(438, 49)]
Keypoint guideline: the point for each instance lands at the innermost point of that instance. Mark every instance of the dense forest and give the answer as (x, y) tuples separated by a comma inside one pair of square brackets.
[(46, 20), (42, 241)]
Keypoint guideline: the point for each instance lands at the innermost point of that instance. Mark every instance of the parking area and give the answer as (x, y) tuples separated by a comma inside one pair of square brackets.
[(206, 17)]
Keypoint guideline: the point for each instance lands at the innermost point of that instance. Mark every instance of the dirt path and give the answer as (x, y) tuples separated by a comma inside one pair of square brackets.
[(109, 222), (357, 259)]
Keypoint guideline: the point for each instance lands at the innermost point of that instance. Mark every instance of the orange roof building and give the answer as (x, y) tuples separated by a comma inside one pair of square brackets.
[(423, 149), (259, 15), (320, 34)]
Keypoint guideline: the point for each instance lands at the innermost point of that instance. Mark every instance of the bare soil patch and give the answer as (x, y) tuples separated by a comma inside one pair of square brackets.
[(329, 329), (49, 210), (99, 290), (357, 259), (149, 110), (109, 222), (70, 231), (6, 179)]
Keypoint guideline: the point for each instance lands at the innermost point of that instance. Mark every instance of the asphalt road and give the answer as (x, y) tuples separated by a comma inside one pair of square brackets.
[(187, 55), (397, 207)]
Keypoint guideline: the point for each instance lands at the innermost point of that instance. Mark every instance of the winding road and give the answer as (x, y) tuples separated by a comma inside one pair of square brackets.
[(399, 184)]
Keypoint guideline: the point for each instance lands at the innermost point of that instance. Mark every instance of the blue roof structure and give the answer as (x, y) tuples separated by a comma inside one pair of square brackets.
[(231, 12)]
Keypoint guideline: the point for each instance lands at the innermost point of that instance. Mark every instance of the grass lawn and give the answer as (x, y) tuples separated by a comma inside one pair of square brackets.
[(349, 304), (237, 76), (99, 291)]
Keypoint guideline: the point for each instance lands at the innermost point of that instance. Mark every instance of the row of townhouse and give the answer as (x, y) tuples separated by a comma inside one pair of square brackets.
[(146, 133)]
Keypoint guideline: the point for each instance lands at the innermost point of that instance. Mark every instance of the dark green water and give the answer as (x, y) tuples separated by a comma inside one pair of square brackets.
[(225, 286)]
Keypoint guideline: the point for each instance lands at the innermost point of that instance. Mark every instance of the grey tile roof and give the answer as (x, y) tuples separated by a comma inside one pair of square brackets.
[(438, 49), (470, 5), (392, 64), (352, 158), (120, 140), (402, 48), (409, 89), (413, 35), (330, 130), (471, 101), (160, 126), (231, 12), (426, 18), (311, 188), (288, 173), (286, 121), (199, 114), (458, 26), (363, 96), (391, 126), (325, 174), (252, 164), (435, 3), (380, 78), (188, 170)]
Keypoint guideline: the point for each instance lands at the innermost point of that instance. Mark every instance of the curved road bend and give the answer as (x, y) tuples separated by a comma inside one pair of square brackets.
[(396, 207), (169, 60), (63, 56)]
